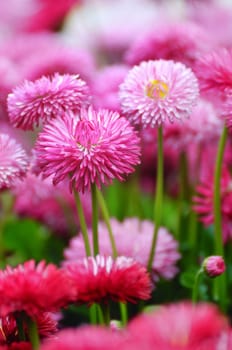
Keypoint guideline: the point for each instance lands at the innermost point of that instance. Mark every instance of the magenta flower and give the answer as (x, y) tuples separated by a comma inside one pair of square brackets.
[(214, 266), (13, 161), (101, 279), (133, 239), (90, 147), (46, 98), (156, 91)]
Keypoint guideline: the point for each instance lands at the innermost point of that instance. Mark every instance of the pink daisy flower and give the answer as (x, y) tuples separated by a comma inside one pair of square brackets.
[(90, 147), (101, 279), (156, 91), (178, 326), (203, 202), (34, 289), (46, 98), (214, 266), (133, 239), (13, 161), (84, 338), (182, 42)]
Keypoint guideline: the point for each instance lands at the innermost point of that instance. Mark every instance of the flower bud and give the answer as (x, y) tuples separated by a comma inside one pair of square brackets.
[(214, 266)]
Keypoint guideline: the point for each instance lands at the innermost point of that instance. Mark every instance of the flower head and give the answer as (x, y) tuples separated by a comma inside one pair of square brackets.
[(101, 279), (133, 239), (46, 98), (13, 161), (214, 266), (90, 147), (34, 289), (156, 91)]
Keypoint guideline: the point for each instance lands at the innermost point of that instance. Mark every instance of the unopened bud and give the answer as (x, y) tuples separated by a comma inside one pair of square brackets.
[(214, 266)]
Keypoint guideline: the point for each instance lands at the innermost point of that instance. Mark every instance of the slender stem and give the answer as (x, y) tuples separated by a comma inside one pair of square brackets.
[(106, 313), (33, 333), (124, 314), (95, 219), (196, 286), (219, 283), (106, 218), (93, 314), (158, 205), (82, 221)]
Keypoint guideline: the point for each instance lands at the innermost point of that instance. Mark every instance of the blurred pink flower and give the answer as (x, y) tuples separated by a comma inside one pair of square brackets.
[(101, 279), (203, 202), (182, 42), (133, 239), (46, 98), (90, 147), (156, 91), (105, 84), (13, 161)]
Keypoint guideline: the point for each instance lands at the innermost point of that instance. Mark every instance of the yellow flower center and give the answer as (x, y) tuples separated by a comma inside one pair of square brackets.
[(157, 89)]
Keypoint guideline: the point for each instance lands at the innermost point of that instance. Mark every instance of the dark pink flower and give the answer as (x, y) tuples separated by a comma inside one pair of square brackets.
[(90, 147), (13, 161), (203, 202), (214, 266), (179, 326), (34, 289), (182, 42), (102, 279), (156, 91), (46, 98), (133, 239)]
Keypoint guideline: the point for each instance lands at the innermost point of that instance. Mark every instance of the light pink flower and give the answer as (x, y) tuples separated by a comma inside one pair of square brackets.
[(46, 98), (13, 161), (90, 147), (182, 42), (101, 279), (156, 91), (214, 266), (133, 239)]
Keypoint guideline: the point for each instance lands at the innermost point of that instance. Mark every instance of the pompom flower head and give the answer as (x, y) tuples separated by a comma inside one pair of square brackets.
[(214, 266), (102, 279), (90, 147), (156, 91), (34, 289), (13, 161), (46, 98)]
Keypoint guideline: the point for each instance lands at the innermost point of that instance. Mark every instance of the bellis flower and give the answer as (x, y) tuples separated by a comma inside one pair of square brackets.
[(46, 98), (214, 266), (89, 147), (101, 279), (13, 161), (156, 91)]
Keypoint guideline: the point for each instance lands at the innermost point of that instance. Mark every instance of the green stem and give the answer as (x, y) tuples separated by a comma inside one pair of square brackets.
[(93, 314), (82, 221), (95, 219), (106, 218), (158, 205), (124, 313), (106, 313), (196, 286), (219, 283), (33, 333)]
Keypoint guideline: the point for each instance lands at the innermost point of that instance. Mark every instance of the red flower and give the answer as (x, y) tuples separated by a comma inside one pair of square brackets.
[(34, 289), (101, 279)]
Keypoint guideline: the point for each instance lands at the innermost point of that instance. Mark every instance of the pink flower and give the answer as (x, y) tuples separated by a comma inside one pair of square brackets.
[(13, 161), (178, 326), (203, 202), (214, 266), (90, 147), (34, 289), (105, 84), (37, 198), (133, 239), (182, 42), (46, 98), (102, 279), (156, 91), (84, 338)]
